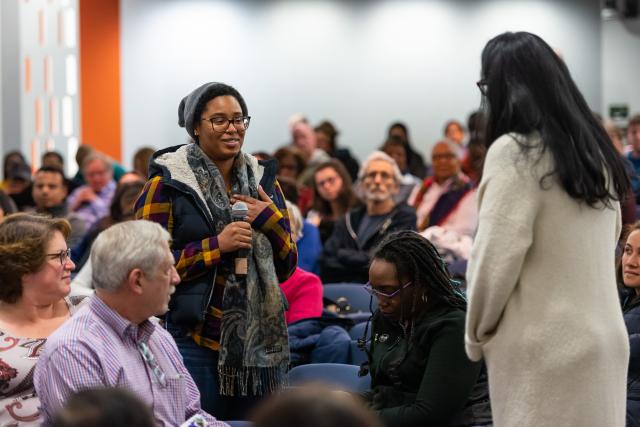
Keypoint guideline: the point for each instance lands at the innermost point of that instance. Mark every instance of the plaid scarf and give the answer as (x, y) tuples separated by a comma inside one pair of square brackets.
[(254, 344)]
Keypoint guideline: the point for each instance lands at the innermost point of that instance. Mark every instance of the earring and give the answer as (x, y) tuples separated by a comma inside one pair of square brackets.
[(424, 298)]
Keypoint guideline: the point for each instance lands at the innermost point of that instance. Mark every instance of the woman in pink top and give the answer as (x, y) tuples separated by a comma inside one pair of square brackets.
[(303, 290)]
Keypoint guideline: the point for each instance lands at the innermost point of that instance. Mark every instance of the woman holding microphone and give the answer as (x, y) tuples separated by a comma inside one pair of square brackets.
[(229, 328)]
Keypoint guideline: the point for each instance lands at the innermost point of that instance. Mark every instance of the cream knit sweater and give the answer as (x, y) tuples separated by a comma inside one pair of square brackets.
[(543, 306)]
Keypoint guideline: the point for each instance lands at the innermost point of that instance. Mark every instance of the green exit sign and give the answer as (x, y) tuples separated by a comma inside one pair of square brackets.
[(619, 111)]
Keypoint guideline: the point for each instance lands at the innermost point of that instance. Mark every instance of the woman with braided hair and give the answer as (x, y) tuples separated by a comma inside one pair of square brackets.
[(420, 373)]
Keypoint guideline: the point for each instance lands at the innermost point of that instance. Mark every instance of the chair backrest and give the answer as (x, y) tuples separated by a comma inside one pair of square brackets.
[(357, 355), (357, 331), (334, 375), (354, 295)]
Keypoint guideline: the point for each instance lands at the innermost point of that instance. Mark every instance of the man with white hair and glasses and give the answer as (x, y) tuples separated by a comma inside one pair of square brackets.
[(113, 342), (346, 254)]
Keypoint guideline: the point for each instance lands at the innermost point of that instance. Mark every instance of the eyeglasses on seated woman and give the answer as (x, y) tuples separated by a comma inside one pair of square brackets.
[(35, 281), (419, 370)]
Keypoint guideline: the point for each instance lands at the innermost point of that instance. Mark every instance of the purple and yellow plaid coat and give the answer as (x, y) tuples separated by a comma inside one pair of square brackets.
[(171, 198)]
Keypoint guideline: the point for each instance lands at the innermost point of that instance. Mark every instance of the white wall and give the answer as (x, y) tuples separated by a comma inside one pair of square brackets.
[(9, 36), (621, 64), (360, 64)]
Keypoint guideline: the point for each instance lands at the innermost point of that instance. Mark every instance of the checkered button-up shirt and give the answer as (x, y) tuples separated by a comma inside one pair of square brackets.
[(99, 348)]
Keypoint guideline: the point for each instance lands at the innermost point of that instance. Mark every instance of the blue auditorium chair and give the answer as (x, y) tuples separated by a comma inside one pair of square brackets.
[(357, 331), (335, 375), (351, 298), (357, 355)]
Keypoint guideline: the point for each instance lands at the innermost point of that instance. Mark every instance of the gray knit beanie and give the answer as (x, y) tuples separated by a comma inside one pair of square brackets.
[(192, 105)]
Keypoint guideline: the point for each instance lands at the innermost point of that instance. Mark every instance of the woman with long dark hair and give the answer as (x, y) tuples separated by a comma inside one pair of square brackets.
[(333, 196), (420, 374), (543, 308), (629, 283)]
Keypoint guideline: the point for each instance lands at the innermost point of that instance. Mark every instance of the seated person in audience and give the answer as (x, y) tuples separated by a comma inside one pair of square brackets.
[(473, 159), (141, 160), (346, 254), (627, 204), (129, 177), (11, 159), (304, 139), (453, 131), (19, 186), (113, 342), (121, 209), (633, 141), (629, 281), (313, 406), (303, 290), (49, 194), (446, 199), (420, 374), (104, 407), (91, 201), (35, 276), (52, 159), (333, 196), (308, 239), (83, 152), (415, 162), (396, 148), (290, 165), (7, 205), (327, 135)]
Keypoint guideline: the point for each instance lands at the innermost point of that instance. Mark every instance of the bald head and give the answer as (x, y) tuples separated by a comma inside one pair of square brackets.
[(445, 158)]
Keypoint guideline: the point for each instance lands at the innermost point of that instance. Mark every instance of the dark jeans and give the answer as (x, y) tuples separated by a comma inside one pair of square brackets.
[(202, 364)]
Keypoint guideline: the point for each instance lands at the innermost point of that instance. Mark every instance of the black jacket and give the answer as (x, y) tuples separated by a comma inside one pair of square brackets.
[(344, 259), (631, 311), (426, 379)]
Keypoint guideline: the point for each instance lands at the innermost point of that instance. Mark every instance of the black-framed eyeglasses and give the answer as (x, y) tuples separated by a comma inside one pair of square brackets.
[(376, 293), (63, 255), (483, 86), (221, 124)]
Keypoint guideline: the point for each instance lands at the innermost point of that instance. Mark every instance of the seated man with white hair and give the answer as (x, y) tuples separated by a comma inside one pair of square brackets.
[(346, 253), (113, 342)]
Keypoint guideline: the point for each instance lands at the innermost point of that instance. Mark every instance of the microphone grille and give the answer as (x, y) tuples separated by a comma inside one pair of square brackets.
[(239, 209)]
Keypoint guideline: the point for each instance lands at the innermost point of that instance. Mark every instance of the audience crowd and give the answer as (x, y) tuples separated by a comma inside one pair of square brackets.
[(138, 298)]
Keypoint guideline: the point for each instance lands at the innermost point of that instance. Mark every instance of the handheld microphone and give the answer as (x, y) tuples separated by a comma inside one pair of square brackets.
[(239, 212)]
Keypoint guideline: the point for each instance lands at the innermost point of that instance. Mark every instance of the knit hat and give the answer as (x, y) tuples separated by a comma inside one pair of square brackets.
[(192, 105)]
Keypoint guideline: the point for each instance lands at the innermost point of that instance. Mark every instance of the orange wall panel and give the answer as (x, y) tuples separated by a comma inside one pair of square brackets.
[(100, 76)]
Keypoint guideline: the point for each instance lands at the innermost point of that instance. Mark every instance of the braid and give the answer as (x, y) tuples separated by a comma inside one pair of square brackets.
[(416, 258)]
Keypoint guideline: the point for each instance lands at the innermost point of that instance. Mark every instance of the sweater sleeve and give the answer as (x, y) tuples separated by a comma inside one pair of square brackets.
[(508, 200), (446, 382), (195, 258)]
